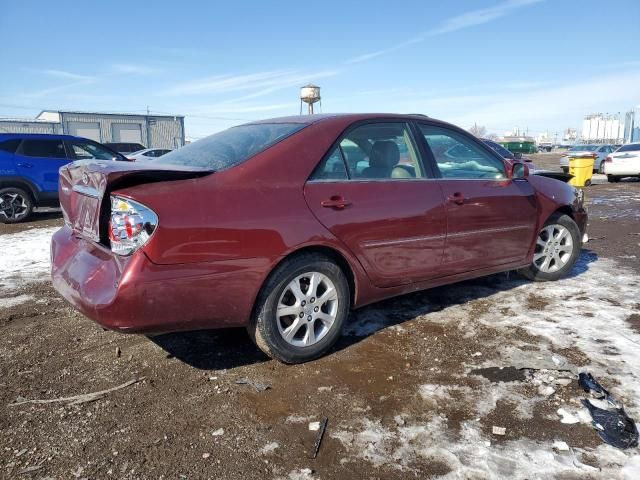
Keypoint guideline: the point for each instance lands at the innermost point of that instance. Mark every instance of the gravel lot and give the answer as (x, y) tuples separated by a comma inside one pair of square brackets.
[(411, 392)]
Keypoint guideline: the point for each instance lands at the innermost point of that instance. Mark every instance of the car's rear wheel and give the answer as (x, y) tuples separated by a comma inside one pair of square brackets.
[(613, 179), (16, 205), (301, 309), (557, 249)]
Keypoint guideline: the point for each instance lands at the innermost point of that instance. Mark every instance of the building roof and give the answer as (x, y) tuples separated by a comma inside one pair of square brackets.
[(120, 114)]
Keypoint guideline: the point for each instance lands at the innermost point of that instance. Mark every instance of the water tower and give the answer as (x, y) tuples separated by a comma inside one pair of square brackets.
[(309, 94)]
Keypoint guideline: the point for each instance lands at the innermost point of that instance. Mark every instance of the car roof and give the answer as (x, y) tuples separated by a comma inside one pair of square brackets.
[(41, 136), (339, 117)]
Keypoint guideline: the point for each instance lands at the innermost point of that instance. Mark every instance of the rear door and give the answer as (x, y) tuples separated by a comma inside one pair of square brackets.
[(374, 194), (39, 160), (491, 219)]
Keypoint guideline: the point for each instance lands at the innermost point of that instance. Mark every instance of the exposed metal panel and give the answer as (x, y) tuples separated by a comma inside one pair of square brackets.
[(89, 130), (127, 132)]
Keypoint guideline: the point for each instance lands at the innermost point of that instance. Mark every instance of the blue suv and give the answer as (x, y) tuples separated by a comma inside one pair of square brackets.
[(29, 165)]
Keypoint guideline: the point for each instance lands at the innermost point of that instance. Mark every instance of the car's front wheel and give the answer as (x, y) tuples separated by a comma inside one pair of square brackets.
[(557, 249), (301, 309), (613, 179), (15, 205)]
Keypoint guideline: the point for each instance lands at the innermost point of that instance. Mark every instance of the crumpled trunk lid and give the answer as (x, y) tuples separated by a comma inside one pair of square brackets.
[(84, 188)]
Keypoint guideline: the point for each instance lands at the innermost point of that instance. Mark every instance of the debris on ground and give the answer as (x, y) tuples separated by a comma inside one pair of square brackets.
[(78, 399), (322, 428), (260, 387), (613, 424), (498, 430)]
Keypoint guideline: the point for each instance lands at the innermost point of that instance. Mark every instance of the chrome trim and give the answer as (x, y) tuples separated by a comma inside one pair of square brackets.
[(386, 243), (488, 230), (88, 191)]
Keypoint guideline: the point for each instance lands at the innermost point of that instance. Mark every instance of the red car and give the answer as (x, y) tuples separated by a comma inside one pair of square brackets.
[(285, 225)]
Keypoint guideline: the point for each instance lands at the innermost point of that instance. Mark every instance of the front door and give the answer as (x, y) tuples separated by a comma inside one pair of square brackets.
[(373, 193), (39, 161), (491, 218)]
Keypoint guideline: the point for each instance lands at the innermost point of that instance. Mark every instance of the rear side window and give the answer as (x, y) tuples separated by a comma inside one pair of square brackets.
[(331, 168), (10, 145), (229, 147), (43, 148)]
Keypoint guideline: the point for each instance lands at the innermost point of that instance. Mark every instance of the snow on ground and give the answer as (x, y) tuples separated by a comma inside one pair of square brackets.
[(587, 311), (24, 258)]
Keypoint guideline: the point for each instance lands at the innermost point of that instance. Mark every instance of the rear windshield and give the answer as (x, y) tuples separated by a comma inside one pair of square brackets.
[(229, 147), (634, 147), (582, 148)]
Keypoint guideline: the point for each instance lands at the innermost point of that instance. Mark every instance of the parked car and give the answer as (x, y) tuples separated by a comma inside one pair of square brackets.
[(624, 162), (505, 153), (598, 152), (274, 226), (29, 165), (147, 154), (125, 148)]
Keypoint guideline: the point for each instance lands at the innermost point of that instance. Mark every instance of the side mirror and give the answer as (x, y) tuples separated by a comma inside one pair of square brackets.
[(519, 170), (517, 155)]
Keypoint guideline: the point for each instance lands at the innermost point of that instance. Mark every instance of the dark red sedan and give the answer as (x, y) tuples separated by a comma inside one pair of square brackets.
[(285, 225)]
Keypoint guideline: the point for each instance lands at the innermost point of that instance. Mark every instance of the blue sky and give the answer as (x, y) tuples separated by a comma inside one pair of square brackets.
[(534, 64)]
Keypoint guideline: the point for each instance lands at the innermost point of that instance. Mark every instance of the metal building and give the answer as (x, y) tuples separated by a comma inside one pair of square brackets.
[(23, 125), (152, 131), (599, 128)]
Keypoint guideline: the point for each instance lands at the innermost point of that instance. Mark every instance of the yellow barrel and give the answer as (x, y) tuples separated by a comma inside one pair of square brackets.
[(582, 170)]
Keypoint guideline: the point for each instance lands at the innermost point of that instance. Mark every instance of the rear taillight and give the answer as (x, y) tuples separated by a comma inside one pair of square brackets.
[(608, 159), (130, 226)]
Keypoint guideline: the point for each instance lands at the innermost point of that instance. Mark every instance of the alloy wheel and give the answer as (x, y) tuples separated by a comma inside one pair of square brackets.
[(554, 247), (307, 309), (13, 206)]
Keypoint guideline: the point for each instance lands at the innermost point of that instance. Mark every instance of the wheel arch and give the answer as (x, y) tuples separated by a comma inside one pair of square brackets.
[(18, 182), (330, 252)]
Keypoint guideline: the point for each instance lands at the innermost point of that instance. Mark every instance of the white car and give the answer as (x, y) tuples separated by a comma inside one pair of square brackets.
[(598, 152), (147, 154), (624, 162)]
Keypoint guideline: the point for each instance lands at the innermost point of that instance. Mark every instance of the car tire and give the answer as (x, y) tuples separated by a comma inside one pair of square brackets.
[(305, 328), (558, 246), (612, 179), (16, 205)]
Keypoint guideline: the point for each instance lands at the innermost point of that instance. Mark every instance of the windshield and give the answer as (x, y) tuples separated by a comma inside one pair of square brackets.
[(230, 147), (582, 148), (633, 147), (86, 150)]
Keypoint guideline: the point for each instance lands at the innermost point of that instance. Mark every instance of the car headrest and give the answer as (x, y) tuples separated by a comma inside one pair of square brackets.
[(384, 154)]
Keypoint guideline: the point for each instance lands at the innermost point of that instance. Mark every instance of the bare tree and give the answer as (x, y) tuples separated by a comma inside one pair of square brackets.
[(478, 130)]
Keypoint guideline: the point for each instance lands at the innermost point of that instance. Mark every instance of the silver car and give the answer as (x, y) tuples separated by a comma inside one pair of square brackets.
[(147, 154), (599, 153)]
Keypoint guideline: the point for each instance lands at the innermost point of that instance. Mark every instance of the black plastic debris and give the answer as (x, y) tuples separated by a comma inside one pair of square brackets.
[(613, 425), (589, 384)]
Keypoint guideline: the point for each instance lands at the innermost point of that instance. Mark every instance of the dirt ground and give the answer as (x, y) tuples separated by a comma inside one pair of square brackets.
[(412, 391)]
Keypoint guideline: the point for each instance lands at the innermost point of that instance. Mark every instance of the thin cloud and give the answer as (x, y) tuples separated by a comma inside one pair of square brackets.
[(262, 82), (480, 16), (134, 69), (65, 75), (459, 22)]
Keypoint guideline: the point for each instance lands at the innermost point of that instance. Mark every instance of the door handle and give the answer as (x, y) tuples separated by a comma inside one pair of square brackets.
[(457, 198), (336, 202), (25, 165)]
